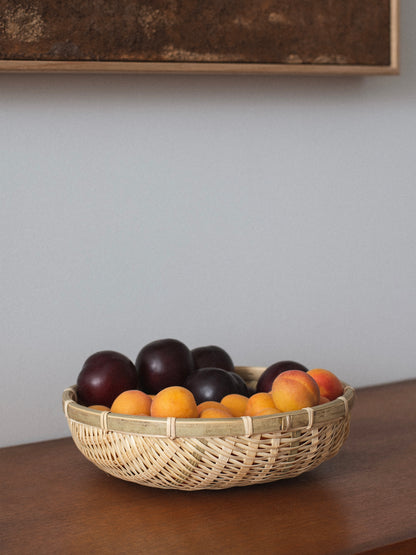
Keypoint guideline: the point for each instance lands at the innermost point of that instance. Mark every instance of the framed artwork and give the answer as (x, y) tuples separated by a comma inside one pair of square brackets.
[(200, 36)]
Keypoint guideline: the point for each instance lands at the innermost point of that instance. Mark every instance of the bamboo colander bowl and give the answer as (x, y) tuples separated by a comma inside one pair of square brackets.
[(196, 454)]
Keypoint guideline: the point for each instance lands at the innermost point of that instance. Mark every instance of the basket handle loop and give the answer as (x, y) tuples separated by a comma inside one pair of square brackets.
[(171, 427), (72, 395), (345, 400), (66, 403), (248, 425), (346, 405)]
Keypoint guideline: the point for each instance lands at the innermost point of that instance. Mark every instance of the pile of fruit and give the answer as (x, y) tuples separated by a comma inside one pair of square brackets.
[(170, 380)]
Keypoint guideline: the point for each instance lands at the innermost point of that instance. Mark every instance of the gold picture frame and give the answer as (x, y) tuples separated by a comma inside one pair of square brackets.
[(291, 37)]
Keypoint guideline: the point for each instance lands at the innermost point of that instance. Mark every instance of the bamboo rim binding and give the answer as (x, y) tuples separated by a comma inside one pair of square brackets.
[(220, 427)]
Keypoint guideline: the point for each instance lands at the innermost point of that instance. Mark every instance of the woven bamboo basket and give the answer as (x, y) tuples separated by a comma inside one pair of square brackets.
[(195, 454)]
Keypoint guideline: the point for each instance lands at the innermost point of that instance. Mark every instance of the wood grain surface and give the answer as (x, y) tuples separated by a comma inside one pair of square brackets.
[(362, 500), (296, 32)]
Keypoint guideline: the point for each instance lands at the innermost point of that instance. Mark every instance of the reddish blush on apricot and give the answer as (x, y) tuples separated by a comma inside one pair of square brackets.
[(295, 390)]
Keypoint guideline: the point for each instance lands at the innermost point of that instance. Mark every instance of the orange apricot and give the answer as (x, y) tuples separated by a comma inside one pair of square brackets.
[(133, 402), (208, 405), (214, 412), (235, 403), (323, 400), (328, 383), (259, 402), (295, 390), (98, 407), (269, 410), (176, 401)]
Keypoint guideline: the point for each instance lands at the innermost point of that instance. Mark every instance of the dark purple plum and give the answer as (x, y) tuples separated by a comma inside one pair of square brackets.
[(210, 384), (163, 363), (104, 376), (240, 384), (212, 356), (266, 380)]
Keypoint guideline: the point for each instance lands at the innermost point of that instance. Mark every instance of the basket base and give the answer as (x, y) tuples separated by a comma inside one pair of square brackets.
[(192, 464)]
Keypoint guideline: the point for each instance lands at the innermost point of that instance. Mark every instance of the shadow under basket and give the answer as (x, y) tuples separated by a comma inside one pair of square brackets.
[(195, 454)]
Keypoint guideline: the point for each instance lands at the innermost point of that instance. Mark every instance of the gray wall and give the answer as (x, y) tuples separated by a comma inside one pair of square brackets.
[(274, 216)]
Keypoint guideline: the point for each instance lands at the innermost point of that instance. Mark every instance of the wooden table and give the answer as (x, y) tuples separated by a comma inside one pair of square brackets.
[(53, 501)]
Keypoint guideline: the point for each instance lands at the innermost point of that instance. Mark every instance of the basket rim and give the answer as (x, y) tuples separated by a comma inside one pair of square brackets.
[(219, 427)]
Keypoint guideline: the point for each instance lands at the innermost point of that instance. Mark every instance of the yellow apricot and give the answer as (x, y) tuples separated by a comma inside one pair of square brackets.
[(329, 384), (269, 410), (133, 402), (208, 405), (235, 403), (295, 390), (258, 402), (175, 401), (214, 412)]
